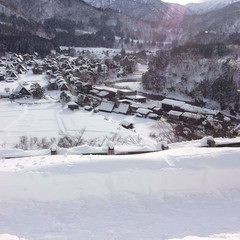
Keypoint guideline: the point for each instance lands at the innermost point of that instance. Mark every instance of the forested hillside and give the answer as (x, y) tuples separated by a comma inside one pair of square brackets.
[(203, 72)]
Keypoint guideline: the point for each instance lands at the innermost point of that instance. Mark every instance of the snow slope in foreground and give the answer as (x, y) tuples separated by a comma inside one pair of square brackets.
[(9, 237), (167, 195)]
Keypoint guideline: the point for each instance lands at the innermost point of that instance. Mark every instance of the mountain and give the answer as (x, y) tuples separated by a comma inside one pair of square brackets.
[(215, 26), (89, 18), (75, 10), (77, 23), (146, 10), (68, 23), (209, 5)]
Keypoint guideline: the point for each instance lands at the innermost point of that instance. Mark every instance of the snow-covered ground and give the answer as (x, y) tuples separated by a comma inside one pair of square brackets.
[(175, 194), (50, 120), (100, 52)]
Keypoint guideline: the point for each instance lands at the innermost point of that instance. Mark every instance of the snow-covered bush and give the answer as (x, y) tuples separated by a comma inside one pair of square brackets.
[(206, 141), (33, 143)]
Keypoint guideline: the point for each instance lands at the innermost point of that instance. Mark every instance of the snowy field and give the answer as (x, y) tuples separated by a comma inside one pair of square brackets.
[(51, 120), (175, 194), (96, 52)]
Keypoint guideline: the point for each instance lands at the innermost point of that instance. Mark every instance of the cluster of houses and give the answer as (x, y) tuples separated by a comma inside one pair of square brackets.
[(75, 69), (78, 75), (128, 102), (11, 66), (180, 111), (56, 81)]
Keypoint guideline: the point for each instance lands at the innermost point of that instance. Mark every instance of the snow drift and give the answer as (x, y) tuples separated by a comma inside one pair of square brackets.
[(175, 172), (9, 237), (165, 195)]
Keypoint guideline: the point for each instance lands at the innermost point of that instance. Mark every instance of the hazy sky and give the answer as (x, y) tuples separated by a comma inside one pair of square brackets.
[(182, 1)]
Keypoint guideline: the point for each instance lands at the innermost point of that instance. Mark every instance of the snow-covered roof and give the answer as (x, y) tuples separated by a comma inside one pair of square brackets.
[(209, 111), (190, 108), (156, 108), (122, 108), (173, 103), (125, 91), (136, 105), (72, 104), (135, 97), (52, 80), (175, 113), (94, 91), (103, 94), (143, 111), (192, 115), (88, 107), (18, 88), (126, 123), (153, 115), (104, 88), (106, 106)]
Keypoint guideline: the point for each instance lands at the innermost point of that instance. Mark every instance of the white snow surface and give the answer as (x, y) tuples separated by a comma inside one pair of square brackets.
[(209, 5), (184, 193), (51, 120), (9, 237)]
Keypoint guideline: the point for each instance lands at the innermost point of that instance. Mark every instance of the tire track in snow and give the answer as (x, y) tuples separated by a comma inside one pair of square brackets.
[(16, 120), (60, 122)]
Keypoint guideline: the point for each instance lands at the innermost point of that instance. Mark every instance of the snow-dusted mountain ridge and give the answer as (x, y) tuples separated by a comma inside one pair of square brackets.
[(209, 5), (147, 10)]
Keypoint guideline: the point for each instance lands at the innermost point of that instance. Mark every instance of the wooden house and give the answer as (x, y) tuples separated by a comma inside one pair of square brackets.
[(83, 100), (109, 93), (73, 106), (192, 117), (94, 92), (13, 75), (63, 86), (83, 87), (22, 91), (219, 116), (127, 125), (37, 70), (153, 116), (128, 64), (52, 84), (137, 98), (106, 106), (88, 108), (169, 104), (123, 108), (122, 93), (143, 111), (105, 94), (134, 107), (2, 77), (172, 114), (157, 110)]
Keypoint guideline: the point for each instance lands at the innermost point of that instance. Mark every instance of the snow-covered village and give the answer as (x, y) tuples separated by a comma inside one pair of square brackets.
[(120, 120)]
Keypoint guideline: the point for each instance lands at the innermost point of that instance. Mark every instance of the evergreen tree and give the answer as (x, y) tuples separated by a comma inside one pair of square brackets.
[(37, 91)]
